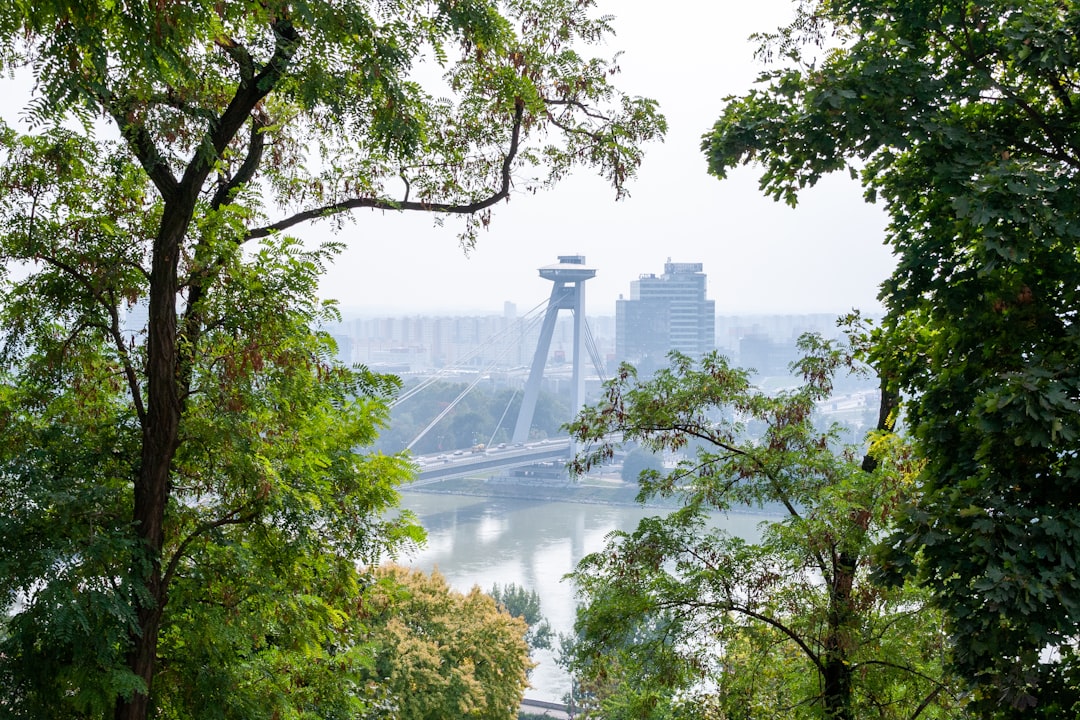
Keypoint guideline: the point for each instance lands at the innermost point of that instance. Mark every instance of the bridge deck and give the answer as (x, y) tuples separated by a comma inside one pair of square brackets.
[(462, 462)]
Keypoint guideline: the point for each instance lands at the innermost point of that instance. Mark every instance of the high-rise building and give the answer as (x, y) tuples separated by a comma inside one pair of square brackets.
[(665, 313)]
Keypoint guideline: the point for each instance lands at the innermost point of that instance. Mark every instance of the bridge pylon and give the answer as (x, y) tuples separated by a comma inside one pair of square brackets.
[(568, 292)]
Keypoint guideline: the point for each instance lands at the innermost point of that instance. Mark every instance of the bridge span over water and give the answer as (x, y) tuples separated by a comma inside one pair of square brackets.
[(440, 466), (568, 278)]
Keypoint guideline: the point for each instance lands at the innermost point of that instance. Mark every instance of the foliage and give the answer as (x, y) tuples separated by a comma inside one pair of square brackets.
[(186, 491), (444, 654), (962, 119), (271, 507), (604, 692), (681, 619), (525, 604)]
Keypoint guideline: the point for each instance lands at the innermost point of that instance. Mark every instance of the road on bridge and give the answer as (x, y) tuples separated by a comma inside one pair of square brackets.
[(465, 462)]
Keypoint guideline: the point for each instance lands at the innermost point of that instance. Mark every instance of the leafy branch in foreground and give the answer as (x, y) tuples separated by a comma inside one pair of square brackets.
[(962, 119), (679, 618)]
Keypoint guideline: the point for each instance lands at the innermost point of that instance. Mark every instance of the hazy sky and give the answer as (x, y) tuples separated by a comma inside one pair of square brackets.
[(760, 256)]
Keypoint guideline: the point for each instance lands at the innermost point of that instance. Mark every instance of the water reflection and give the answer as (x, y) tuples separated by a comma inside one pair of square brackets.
[(534, 544)]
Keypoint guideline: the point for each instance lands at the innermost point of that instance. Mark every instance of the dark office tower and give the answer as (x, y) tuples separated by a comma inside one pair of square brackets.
[(665, 313)]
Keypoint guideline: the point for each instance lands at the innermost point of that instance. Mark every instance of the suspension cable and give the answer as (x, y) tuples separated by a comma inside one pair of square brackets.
[(594, 353), (524, 323), (479, 376)]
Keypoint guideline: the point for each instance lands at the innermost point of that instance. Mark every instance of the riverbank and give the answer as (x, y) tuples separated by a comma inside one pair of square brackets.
[(608, 490), (596, 492)]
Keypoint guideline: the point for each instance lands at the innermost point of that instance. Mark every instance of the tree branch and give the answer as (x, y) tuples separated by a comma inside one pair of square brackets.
[(240, 56), (887, 406), (938, 685), (754, 459), (232, 518), (904, 668), (247, 169), (125, 361), (926, 702), (171, 99), (585, 109), (1059, 145), (501, 193), (591, 134), (732, 606), (142, 145), (112, 330), (249, 94)]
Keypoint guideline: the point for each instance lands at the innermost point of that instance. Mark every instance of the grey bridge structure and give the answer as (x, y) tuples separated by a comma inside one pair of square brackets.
[(568, 276)]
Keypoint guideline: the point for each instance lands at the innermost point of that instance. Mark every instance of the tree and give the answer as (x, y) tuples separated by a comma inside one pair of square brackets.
[(222, 425), (525, 604), (962, 119), (443, 653), (272, 507), (681, 619)]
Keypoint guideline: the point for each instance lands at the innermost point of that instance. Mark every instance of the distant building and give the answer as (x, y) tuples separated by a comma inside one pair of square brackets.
[(665, 313), (765, 356), (768, 343), (425, 342)]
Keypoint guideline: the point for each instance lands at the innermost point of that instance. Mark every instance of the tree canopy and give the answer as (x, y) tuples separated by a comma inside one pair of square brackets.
[(962, 119), (270, 508), (681, 619), (443, 653), (184, 489), (525, 604)]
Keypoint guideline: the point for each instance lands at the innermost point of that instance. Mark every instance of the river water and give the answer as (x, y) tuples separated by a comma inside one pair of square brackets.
[(534, 544)]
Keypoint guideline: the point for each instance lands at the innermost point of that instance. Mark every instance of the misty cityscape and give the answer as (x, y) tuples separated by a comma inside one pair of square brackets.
[(663, 312), (492, 487), (483, 472)]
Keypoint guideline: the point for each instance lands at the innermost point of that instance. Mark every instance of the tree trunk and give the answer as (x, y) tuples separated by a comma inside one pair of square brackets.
[(837, 673), (160, 439), (838, 641)]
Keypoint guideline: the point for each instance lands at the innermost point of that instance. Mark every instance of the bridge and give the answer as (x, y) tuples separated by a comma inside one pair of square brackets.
[(546, 709), (442, 466), (568, 278)]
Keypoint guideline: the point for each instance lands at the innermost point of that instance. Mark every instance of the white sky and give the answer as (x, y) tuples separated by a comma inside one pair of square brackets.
[(760, 256)]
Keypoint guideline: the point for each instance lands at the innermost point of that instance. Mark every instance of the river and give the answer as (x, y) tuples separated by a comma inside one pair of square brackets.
[(534, 544)]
